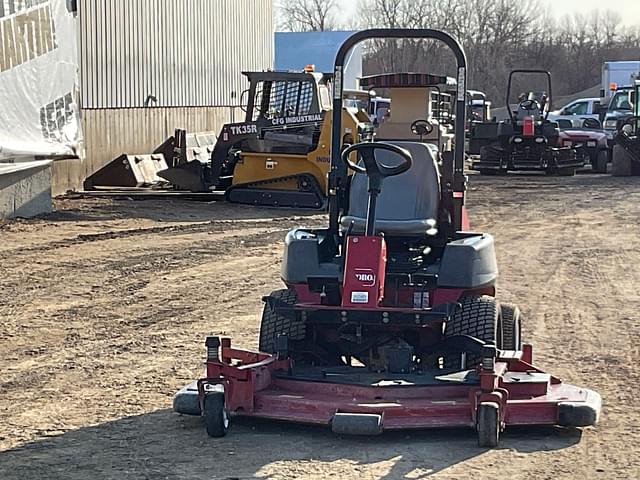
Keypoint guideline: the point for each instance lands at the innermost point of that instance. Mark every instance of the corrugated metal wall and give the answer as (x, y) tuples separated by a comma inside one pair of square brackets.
[(189, 54), (110, 132), (183, 52)]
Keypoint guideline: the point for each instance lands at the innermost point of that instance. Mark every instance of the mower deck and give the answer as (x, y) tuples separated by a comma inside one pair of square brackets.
[(536, 159), (353, 400)]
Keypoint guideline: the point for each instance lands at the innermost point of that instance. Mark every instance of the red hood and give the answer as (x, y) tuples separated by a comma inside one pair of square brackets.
[(582, 135)]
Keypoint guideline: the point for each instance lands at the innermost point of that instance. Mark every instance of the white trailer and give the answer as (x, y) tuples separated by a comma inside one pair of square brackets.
[(616, 75)]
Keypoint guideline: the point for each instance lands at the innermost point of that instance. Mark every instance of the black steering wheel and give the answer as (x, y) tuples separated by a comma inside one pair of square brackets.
[(634, 126), (421, 127), (530, 105), (372, 167), (591, 123)]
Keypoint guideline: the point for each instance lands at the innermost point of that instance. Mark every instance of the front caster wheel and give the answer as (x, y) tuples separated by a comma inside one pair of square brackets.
[(216, 417), (488, 424)]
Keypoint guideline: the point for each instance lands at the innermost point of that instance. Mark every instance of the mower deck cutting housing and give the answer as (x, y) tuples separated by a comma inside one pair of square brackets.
[(352, 400)]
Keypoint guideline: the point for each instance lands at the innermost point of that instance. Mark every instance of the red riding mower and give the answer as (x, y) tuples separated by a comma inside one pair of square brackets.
[(527, 140), (389, 319)]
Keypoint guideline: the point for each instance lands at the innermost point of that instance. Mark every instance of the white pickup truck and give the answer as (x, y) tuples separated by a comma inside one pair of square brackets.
[(577, 111)]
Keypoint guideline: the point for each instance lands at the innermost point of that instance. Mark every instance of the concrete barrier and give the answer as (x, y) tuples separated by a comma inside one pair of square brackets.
[(25, 189)]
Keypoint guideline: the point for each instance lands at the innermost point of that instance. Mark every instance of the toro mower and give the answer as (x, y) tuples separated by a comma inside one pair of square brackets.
[(389, 318), (527, 141)]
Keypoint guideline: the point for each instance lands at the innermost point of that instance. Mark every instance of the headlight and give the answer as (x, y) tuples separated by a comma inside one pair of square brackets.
[(518, 140), (610, 124)]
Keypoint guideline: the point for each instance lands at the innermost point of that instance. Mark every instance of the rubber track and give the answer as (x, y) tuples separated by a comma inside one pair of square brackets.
[(477, 317), (274, 324), (314, 187)]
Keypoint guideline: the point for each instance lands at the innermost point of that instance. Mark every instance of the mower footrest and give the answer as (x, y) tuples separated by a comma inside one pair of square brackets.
[(580, 414), (186, 400), (356, 424)]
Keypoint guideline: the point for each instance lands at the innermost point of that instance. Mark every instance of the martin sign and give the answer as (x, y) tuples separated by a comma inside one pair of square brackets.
[(26, 33), (38, 78)]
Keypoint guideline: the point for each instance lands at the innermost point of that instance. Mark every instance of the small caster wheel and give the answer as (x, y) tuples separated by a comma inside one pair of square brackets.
[(488, 424), (216, 417)]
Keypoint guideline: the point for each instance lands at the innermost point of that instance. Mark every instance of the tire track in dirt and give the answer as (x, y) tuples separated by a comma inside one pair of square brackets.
[(567, 244)]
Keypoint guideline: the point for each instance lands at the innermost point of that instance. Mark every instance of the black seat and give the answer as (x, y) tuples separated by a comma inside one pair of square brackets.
[(408, 204)]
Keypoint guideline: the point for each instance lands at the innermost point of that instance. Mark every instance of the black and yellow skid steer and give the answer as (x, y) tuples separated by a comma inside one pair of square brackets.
[(280, 155)]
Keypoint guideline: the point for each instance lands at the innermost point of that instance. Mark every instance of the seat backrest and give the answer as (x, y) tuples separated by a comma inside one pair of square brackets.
[(412, 195)]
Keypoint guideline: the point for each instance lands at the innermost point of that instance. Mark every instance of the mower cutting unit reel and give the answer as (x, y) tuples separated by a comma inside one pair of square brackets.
[(388, 320)]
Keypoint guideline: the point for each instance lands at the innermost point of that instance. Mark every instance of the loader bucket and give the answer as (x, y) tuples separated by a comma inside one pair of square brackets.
[(129, 171), (186, 176)]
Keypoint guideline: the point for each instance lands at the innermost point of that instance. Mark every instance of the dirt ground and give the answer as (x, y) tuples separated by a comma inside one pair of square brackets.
[(104, 306)]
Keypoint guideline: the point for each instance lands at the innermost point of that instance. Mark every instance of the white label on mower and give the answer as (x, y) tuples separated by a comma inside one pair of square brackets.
[(337, 79), (462, 93), (421, 300), (359, 297)]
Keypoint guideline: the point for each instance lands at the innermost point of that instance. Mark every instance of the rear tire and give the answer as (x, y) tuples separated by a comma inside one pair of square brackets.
[(600, 164), (621, 162), (216, 417), (274, 324), (488, 424), (511, 327), (567, 171), (479, 317)]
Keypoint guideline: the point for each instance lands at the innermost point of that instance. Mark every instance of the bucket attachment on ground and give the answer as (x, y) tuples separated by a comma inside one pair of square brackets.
[(129, 171)]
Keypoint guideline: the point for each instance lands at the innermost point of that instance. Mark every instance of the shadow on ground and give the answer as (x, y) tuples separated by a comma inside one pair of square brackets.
[(73, 208), (168, 446)]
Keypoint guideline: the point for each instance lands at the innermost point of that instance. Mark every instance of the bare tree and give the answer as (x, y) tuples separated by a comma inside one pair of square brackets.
[(499, 36), (307, 15)]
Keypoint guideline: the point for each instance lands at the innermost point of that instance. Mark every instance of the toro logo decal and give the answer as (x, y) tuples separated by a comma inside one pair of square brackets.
[(366, 276)]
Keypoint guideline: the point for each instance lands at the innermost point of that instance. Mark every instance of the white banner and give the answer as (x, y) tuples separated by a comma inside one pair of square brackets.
[(38, 79)]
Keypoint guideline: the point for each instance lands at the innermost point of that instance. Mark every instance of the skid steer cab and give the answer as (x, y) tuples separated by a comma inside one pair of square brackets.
[(279, 155), (388, 319)]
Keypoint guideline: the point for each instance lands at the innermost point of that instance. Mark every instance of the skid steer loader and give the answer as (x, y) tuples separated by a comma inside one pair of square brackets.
[(279, 155)]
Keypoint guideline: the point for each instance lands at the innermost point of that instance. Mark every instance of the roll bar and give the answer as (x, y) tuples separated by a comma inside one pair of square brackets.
[(550, 97), (454, 182)]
